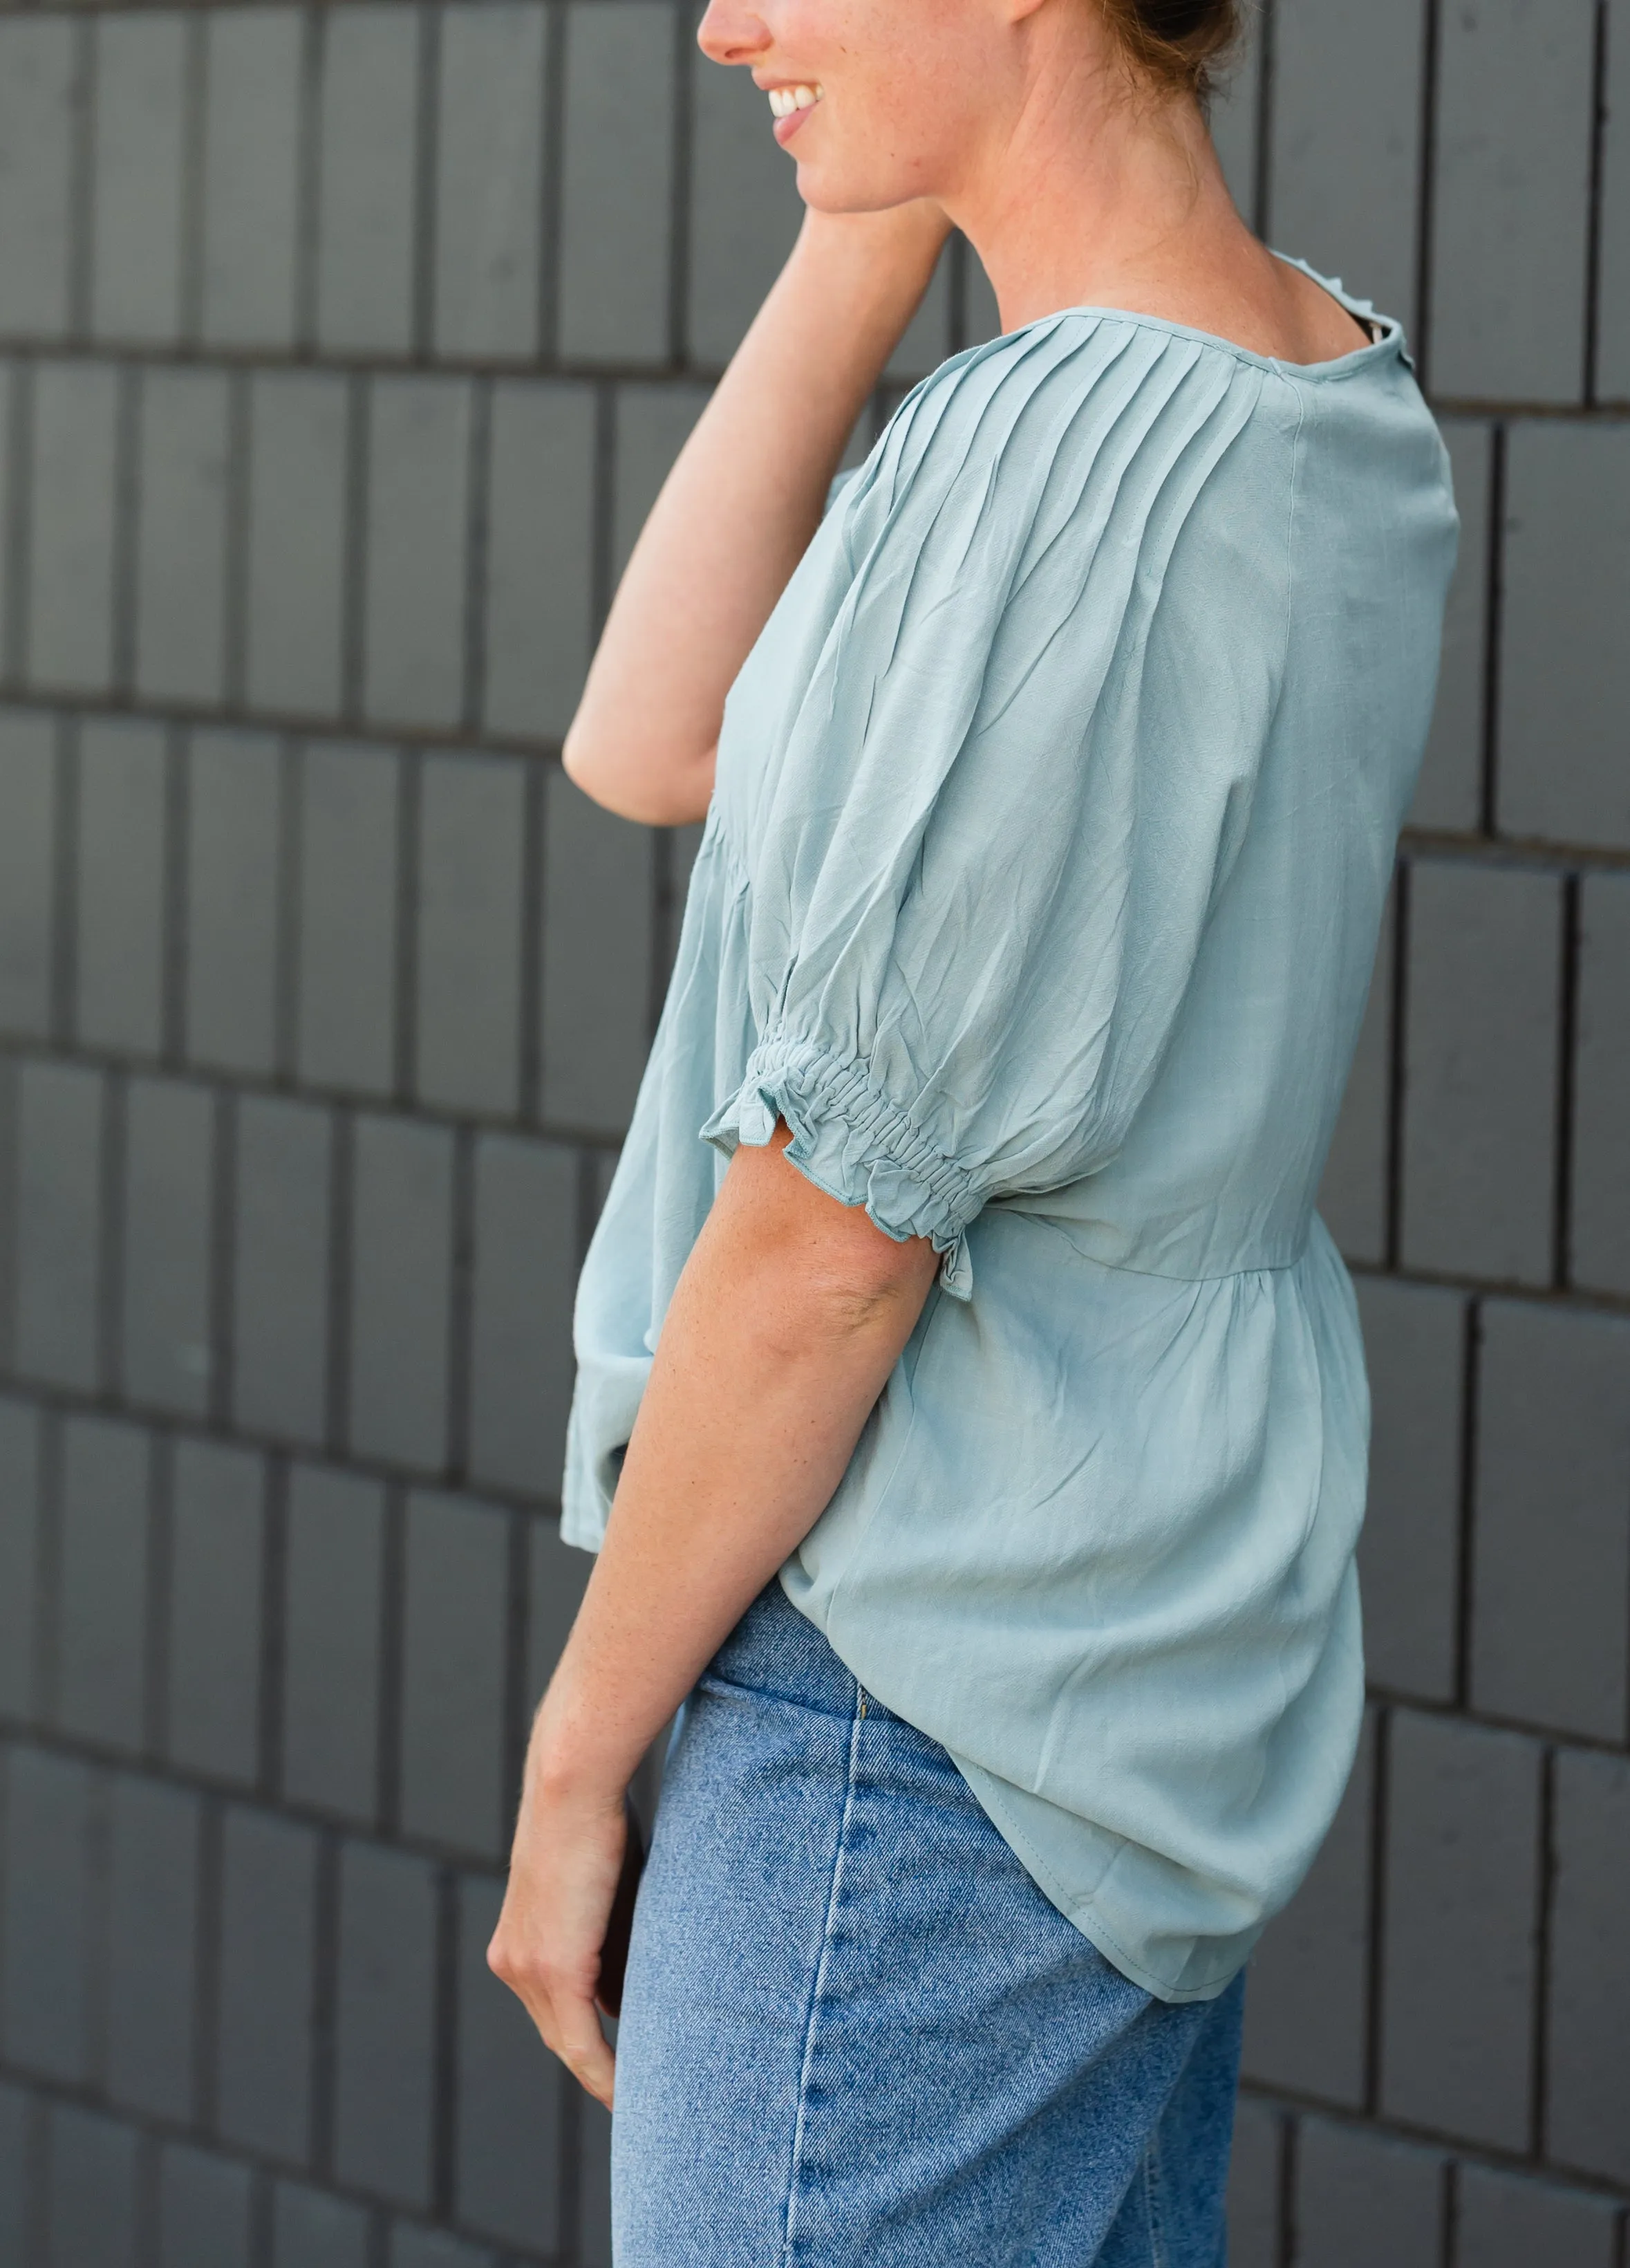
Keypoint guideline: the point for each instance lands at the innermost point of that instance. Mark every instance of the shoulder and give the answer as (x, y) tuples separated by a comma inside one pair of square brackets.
[(1058, 424)]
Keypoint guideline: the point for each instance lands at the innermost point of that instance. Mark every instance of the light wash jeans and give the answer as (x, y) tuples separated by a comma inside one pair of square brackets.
[(855, 2034)]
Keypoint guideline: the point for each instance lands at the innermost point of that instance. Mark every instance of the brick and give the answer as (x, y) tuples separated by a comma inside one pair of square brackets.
[(1353, 1193), (310, 2230), (267, 1926), (1449, 794), (653, 423), (19, 1555), (745, 213), (1372, 135), (152, 1919), (1506, 2220), (1479, 1125), (1362, 2198), (383, 2055), (120, 890), (1588, 2003), (14, 389), (91, 2190), (234, 789), (1613, 372), (418, 513), (1254, 2181), (454, 1648), (101, 1638), (280, 1268), (351, 824), (401, 1284), (508, 2179), (521, 1353), (617, 195), (27, 865), (1461, 1911), (16, 2151), (472, 840), (180, 563), (44, 1946), (598, 908), (58, 1256), (489, 180), (1551, 1555), (40, 101), (205, 2210), (1409, 1554), (413, 2246), (555, 1575), (594, 2222), (1564, 675), (370, 160), (169, 1172), (138, 181), (295, 604), (251, 176), (217, 1543), (1600, 1229), (334, 1574), (1511, 235), (539, 514), (1306, 2015), (72, 508)]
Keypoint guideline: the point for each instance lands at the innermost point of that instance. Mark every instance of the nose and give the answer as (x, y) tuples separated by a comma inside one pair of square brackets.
[(730, 32)]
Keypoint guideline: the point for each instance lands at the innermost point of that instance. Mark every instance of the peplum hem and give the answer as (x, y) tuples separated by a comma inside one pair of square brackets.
[(850, 1140)]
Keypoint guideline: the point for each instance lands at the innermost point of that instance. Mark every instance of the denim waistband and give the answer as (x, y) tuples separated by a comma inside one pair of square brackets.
[(775, 1649)]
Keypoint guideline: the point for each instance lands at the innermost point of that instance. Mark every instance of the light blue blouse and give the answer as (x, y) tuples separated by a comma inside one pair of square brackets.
[(1056, 811)]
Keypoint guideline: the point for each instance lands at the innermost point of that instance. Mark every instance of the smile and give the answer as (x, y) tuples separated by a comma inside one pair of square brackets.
[(785, 99)]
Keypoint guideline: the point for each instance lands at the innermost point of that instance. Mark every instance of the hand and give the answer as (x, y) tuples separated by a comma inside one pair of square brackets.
[(563, 1872), (898, 246)]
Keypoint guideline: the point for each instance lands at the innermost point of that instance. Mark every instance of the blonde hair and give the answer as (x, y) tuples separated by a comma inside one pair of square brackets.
[(1181, 44)]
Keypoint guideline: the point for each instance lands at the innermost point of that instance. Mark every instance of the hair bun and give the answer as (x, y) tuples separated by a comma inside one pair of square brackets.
[(1179, 19), (1179, 42)]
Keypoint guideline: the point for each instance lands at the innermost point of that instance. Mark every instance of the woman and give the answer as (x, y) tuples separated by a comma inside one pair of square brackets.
[(998, 1467)]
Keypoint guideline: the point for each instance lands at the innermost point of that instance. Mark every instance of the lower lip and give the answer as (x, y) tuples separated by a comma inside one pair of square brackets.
[(786, 127)]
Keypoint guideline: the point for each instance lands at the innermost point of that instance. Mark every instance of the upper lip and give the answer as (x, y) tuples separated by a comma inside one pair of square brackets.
[(769, 85)]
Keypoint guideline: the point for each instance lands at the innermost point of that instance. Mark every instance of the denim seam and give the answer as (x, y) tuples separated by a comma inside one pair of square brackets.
[(1159, 2254), (813, 2014)]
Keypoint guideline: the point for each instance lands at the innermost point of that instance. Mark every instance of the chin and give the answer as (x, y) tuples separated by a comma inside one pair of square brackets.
[(828, 189)]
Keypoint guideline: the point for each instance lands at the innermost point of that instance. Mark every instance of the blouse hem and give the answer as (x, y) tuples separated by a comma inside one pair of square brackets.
[(1081, 1913)]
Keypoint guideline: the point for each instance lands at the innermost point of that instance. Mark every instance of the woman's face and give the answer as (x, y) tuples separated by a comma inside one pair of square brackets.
[(895, 96)]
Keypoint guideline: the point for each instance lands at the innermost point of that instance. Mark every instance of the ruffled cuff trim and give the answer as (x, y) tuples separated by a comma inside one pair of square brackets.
[(850, 1140)]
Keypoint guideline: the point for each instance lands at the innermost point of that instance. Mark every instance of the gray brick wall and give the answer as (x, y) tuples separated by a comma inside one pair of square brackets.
[(342, 348)]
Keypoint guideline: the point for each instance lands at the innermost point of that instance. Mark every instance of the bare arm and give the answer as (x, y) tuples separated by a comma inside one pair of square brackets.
[(738, 509), (790, 1313)]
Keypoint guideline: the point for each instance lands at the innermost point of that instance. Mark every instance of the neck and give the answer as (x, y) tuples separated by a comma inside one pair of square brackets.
[(1092, 195)]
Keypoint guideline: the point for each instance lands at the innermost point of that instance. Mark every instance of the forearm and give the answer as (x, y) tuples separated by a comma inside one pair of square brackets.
[(765, 1374), (738, 509)]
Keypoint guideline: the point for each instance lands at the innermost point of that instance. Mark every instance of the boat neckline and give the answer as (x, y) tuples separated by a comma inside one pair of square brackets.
[(1356, 360)]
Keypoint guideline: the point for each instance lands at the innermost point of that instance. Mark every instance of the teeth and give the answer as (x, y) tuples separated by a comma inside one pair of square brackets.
[(785, 99)]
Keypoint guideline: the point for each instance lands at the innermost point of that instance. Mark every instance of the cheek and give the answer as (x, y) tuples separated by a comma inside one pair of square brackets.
[(874, 147)]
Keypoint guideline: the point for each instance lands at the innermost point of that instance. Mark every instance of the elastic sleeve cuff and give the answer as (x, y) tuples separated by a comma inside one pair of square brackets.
[(852, 1141)]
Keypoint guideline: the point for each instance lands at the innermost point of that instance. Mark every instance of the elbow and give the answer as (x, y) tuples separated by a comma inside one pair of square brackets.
[(654, 790), (859, 1289)]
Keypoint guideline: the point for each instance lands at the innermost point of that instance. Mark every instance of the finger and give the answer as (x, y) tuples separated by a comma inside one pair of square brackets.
[(581, 2045)]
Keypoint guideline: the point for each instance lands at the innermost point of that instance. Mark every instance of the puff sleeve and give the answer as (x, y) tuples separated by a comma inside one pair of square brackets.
[(991, 818)]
